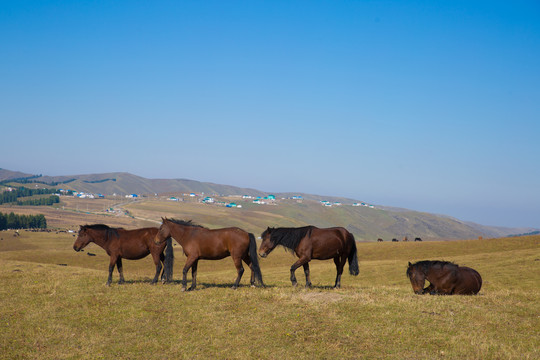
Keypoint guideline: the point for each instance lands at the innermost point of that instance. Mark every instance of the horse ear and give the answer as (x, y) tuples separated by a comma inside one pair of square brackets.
[(410, 263)]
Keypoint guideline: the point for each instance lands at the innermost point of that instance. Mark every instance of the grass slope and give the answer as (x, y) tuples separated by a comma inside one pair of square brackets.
[(52, 311)]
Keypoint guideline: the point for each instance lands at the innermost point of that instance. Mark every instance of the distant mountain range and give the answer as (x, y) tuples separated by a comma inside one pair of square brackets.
[(363, 222), (122, 183)]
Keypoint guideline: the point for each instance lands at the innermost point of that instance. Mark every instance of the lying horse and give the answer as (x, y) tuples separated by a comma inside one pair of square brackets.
[(128, 244), (310, 242), (445, 278)]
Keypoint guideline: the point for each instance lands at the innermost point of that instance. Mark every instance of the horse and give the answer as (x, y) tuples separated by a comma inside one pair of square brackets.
[(310, 242), (199, 242), (445, 278), (395, 240), (417, 239), (128, 244), (379, 240)]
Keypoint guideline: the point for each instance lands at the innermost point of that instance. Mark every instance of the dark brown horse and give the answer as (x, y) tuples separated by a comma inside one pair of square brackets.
[(445, 278), (201, 243), (128, 244), (310, 242)]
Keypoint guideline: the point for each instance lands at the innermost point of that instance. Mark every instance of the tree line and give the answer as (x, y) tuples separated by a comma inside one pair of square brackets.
[(32, 179), (53, 199), (14, 195), (13, 221)]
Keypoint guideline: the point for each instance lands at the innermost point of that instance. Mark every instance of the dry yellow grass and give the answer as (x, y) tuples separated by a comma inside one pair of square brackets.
[(52, 311)]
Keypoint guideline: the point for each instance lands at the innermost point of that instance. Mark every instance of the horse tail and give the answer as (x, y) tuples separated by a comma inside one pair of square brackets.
[(254, 259), (353, 258), (169, 261)]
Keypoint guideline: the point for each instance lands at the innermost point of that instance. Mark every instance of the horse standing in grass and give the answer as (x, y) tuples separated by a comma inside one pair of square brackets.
[(445, 278), (310, 242), (128, 244), (201, 243)]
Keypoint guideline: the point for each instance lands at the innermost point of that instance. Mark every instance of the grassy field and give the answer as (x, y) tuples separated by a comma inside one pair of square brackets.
[(55, 305)]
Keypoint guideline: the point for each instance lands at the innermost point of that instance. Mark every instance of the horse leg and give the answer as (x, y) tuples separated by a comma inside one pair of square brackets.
[(240, 271), (162, 261), (429, 290), (194, 275), (120, 270), (340, 263), (247, 260), (112, 263), (295, 266), (306, 272), (157, 261), (189, 263)]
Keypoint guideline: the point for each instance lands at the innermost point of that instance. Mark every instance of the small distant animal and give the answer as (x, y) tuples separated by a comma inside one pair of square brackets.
[(379, 240), (417, 239), (445, 278), (405, 239), (395, 240)]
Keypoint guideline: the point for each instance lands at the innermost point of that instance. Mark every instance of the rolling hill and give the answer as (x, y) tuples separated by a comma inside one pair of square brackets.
[(366, 224)]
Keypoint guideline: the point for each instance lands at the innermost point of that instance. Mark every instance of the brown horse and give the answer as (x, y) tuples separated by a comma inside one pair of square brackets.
[(445, 278), (201, 243), (310, 242), (128, 244)]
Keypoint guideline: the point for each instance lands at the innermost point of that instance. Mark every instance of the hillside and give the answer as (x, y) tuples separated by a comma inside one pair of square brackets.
[(365, 223)]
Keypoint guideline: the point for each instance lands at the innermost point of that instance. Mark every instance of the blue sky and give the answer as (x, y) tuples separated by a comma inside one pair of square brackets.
[(427, 105)]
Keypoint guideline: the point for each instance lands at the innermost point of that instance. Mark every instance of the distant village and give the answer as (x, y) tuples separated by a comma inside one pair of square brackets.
[(217, 200)]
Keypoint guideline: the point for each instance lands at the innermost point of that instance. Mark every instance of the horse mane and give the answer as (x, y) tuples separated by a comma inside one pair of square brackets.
[(102, 227), (289, 237), (425, 265), (186, 223)]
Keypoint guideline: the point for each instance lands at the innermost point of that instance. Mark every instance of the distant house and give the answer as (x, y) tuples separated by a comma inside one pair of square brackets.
[(172, 198), (208, 200), (271, 197), (192, 195), (131, 196)]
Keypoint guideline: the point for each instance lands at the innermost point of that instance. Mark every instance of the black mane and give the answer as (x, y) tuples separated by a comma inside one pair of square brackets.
[(289, 237), (102, 227), (425, 265), (186, 223)]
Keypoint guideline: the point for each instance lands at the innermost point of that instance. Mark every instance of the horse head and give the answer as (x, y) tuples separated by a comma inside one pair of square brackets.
[(164, 232), (267, 244), (417, 278), (83, 238)]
